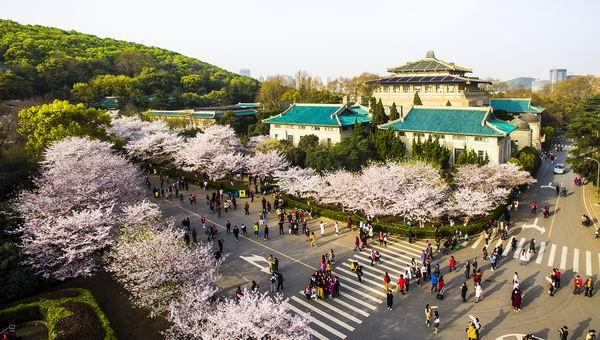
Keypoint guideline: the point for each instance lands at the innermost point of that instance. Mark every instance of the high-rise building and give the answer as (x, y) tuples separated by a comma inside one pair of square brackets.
[(244, 72), (557, 75), (538, 85)]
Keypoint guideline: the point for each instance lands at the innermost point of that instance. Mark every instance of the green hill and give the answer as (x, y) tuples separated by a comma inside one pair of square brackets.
[(518, 83), (38, 60)]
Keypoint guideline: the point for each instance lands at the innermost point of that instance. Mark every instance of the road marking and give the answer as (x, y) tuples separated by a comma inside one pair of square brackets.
[(367, 272), (364, 279), (317, 334), (552, 254), (401, 247), (349, 306), (554, 215), (359, 301), (498, 243), (253, 259), (363, 286), (375, 269), (576, 260), (563, 258), (588, 263), (337, 310), (477, 241), (390, 269), (254, 241), (394, 253), (519, 246), (359, 292), (540, 254), (318, 323), (507, 249), (322, 313)]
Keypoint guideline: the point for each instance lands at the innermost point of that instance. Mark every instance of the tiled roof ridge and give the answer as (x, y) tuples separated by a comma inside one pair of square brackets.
[(316, 104)]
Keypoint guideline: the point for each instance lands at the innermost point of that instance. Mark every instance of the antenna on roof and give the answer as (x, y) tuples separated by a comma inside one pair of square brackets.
[(430, 54)]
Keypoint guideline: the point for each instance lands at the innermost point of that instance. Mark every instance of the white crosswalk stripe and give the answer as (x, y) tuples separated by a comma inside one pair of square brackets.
[(552, 255), (588, 263), (540, 254), (519, 247), (477, 241), (576, 260), (334, 318), (563, 258)]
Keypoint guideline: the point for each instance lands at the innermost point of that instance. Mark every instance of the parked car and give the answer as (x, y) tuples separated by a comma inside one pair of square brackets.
[(559, 168)]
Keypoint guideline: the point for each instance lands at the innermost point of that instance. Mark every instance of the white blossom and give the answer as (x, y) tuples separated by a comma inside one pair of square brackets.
[(197, 152), (264, 165)]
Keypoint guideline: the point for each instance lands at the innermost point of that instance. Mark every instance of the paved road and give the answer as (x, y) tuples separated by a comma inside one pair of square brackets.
[(360, 313)]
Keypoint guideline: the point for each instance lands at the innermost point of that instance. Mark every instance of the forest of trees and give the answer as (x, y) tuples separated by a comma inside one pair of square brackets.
[(43, 61)]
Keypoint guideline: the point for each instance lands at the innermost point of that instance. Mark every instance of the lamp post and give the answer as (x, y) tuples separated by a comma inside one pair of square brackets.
[(598, 175)]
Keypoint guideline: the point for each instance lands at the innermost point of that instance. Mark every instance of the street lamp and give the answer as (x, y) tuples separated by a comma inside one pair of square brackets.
[(598, 175)]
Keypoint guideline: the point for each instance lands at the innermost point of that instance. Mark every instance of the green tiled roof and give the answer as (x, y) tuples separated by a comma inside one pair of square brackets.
[(460, 121), (503, 125), (320, 114), (514, 105), (247, 104), (173, 113), (203, 115), (108, 103)]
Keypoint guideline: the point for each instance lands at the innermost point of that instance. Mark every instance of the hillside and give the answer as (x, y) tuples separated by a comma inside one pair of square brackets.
[(38, 60), (518, 83)]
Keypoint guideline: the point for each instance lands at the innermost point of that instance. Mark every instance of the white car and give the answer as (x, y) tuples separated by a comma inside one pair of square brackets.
[(559, 168)]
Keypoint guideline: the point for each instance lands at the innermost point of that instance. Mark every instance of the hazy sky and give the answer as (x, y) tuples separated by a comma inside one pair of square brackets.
[(501, 39)]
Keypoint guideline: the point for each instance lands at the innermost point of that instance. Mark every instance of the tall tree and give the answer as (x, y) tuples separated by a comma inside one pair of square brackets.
[(394, 112), (417, 99), (584, 130)]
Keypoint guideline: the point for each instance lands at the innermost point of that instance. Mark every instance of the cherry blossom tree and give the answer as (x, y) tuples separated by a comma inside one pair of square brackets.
[(131, 128), (264, 164), (155, 264), (253, 316), (198, 152), (298, 181), (254, 141), (470, 203), (70, 216), (224, 165), (155, 148)]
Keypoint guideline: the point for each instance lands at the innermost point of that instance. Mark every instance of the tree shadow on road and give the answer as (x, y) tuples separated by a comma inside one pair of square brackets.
[(488, 326), (581, 328)]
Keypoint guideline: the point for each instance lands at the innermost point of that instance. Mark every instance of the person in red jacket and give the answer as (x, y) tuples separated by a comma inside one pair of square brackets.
[(577, 285), (356, 244), (452, 263), (556, 274), (401, 284), (386, 281), (440, 283)]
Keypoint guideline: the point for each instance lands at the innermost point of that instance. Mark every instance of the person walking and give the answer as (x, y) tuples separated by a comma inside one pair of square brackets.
[(220, 242), (577, 285), (386, 281), (266, 232), (589, 287), (563, 333), (516, 298), (337, 228), (436, 322), (236, 233), (389, 299), (434, 282), (244, 229), (401, 284), (532, 246), (279, 281), (524, 258), (275, 265), (471, 331), (428, 314), (463, 291), (270, 263), (467, 270), (591, 335), (228, 227), (356, 244), (313, 239), (452, 263), (359, 272), (273, 282), (322, 227), (478, 292), (255, 228)]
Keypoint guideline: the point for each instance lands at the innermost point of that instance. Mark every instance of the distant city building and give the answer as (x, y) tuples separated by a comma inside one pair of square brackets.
[(573, 76), (244, 72), (538, 85), (436, 81), (557, 75), (261, 78)]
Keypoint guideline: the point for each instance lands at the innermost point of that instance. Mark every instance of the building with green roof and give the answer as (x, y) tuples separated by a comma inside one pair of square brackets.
[(203, 116), (456, 128), (330, 122), (526, 116), (436, 81)]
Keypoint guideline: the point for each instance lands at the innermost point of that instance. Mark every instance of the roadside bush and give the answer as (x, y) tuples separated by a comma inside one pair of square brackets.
[(530, 159)]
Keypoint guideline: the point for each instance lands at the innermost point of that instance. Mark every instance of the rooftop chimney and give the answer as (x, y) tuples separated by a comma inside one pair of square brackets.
[(430, 54)]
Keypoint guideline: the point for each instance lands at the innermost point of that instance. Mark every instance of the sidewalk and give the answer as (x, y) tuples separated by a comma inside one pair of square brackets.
[(591, 202)]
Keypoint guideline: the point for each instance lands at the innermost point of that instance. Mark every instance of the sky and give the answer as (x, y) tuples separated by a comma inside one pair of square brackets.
[(502, 39)]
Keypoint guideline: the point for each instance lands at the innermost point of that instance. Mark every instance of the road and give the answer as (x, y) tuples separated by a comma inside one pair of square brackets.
[(360, 313)]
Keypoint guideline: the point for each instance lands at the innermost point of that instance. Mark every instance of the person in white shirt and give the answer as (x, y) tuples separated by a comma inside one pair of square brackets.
[(322, 226)]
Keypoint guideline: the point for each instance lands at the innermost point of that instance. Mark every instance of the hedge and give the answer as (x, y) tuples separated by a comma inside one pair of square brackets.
[(472, 228), (57, 311)]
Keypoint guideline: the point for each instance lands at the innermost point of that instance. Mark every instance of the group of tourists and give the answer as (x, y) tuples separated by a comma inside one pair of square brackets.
[(323, 284)]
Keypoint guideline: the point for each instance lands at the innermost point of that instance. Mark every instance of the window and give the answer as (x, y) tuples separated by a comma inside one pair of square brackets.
[(396, 88), (458, 137), (386, 88), (450, 88), (290, 138), (417, 88), (401, 133), (438, 88), (481, 154), (428, 88), (316, 128), (328, 141), (480, 139), (276, 136), (405, 88), (301, 127), (438, 136), (418, 135), (457, 153), (277, 125), (328, 129)]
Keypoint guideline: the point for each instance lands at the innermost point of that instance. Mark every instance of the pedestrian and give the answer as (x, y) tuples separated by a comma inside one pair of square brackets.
[(434, 282), (194, 236), (246, 208), (228, 227), (275, 265), (401, 284), (556, 273), (591, 335), (467, 270), (254, 286), (563, 333), (452, 263), (273, 282), (359, 272), (463, 291), (532, 246), (279, 281), (524, 257), (270, 263), (220, 243), (589, 287), (428, 314), (255, 228), (281, 227), (436, 322), (322, 227), (313, 240), (478, 292), (356, 244), (389, 299), (266, 232), (577, 285), (386, 281), (471, 330), (236, 233), (244, 229), (516, 298), (337, 228)]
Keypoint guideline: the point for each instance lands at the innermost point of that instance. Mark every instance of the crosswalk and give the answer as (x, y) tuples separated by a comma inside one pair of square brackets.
[(337, 318), (579, 261)]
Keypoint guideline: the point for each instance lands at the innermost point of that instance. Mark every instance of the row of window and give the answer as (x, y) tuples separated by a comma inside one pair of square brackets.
[(441, 136), (290, 139), (418, 88), (458, 151), (303, 127)]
